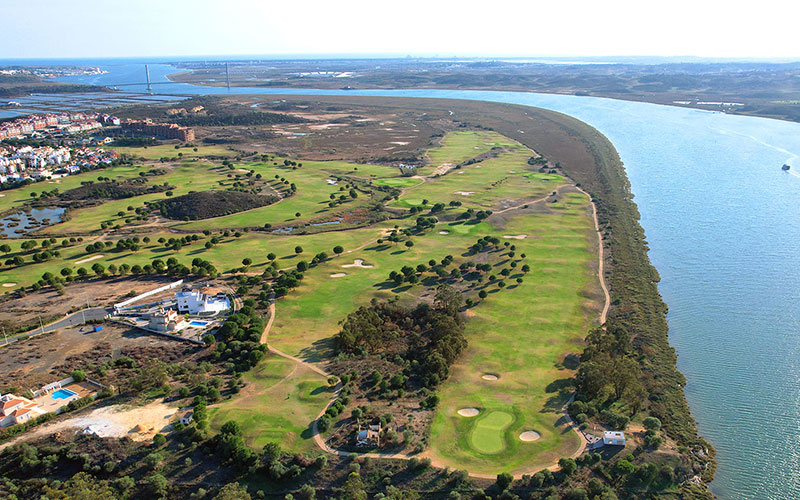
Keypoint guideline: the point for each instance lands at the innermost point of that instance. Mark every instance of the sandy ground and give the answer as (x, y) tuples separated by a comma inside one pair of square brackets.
[(444, 168), (444, 232), (468, 412), (111, 421), (358, 263), (515, 236), (338, 275), (9, 285), (89, 259), (528, 436), (465, 193), (490, 376)]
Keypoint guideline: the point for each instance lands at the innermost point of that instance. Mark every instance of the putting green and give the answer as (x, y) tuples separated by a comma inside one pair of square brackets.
[(488, 436)]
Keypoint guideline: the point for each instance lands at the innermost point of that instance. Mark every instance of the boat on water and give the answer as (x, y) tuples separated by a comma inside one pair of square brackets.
[(785, 167)]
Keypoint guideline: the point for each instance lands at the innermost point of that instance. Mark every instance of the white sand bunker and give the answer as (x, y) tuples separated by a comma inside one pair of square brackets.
[(515, 236), (88, 259), (528, 436), (490, 376), (9, 285), (469, 412), (465, 193), (444, 232), (359, 263), (338, 275)]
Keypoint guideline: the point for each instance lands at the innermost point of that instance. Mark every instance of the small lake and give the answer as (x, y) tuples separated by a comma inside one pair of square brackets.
[(25, 221)]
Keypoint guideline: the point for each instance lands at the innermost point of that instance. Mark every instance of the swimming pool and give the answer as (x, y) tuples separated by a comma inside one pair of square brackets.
[(63, 394), (198, 323)]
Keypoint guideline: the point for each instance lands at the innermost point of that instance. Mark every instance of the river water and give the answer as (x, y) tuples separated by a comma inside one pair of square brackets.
[(723, 224)]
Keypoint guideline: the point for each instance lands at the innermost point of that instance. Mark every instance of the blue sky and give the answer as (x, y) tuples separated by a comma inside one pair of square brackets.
[(147, 28)]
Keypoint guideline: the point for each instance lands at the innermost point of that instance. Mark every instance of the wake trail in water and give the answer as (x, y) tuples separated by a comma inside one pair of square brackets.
[(789, 161)]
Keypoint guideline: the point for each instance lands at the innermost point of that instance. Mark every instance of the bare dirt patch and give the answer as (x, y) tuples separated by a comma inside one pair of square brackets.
[(338, 275), (515, 236), (490, 376)]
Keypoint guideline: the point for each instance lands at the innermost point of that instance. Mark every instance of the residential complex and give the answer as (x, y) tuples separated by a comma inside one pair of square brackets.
[(55, 124), (165, 130), (26, 162)]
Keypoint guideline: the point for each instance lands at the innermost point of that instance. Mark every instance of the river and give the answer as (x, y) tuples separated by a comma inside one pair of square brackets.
[(723, 225)]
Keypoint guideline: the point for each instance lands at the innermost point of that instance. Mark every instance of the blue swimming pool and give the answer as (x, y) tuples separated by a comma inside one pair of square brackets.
[(198, 323), (63, 394)]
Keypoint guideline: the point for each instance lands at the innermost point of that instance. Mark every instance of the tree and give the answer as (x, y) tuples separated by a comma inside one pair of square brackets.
[(568, 466), (233, 491), (247, 261), (78, 375), (231, 427), (338, 249), (298, 249), (157, 485), (652, 424), (504, 480), (354, 488), (98, 269), (5, 248), (409, 244), (302, 266), (271, 256), (81, 486)]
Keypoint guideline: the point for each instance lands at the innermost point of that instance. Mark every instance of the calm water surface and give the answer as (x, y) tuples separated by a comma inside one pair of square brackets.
[(723, 223)]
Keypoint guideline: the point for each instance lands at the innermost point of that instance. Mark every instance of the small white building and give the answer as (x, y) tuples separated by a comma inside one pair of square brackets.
[(187, 418), (613, 438), (197, 302)]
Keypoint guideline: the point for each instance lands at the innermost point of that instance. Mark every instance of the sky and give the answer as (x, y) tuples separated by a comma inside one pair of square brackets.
[(167, 28)]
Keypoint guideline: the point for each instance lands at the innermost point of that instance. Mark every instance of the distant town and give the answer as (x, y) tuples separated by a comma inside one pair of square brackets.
[(27, 162)]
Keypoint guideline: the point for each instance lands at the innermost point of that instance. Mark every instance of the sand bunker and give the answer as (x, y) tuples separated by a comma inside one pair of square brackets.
[(338, 275), (359, 263), (469, 412), (9, 285), (528, 436), (88, 259), (515, 236), (490, 376), (465, 193), (444, 232)]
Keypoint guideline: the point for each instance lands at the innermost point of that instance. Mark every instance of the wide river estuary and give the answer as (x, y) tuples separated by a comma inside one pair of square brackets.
[(723, 225)]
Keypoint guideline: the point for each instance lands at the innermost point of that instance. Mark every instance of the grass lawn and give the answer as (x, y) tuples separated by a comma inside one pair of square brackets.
[(457, 147), (551, 314), (274, 407)]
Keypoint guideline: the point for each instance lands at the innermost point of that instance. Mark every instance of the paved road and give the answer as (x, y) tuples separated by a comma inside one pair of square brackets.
[(76, 318)]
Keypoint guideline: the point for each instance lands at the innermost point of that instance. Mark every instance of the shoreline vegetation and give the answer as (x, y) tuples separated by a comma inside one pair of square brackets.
[(591, 161)]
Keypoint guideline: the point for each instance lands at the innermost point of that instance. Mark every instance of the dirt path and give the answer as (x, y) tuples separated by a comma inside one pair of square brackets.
[(600, 260), (110, 421)]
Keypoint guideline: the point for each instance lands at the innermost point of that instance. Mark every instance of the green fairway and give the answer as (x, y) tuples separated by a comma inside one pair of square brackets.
[(488, 434), (274, 408)]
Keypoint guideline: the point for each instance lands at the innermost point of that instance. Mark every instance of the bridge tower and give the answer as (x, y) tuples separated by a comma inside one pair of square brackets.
[(227, 76), (147, 72)]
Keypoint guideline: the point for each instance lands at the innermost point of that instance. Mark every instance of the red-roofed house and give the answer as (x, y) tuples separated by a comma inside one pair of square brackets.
[(17, 410)]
